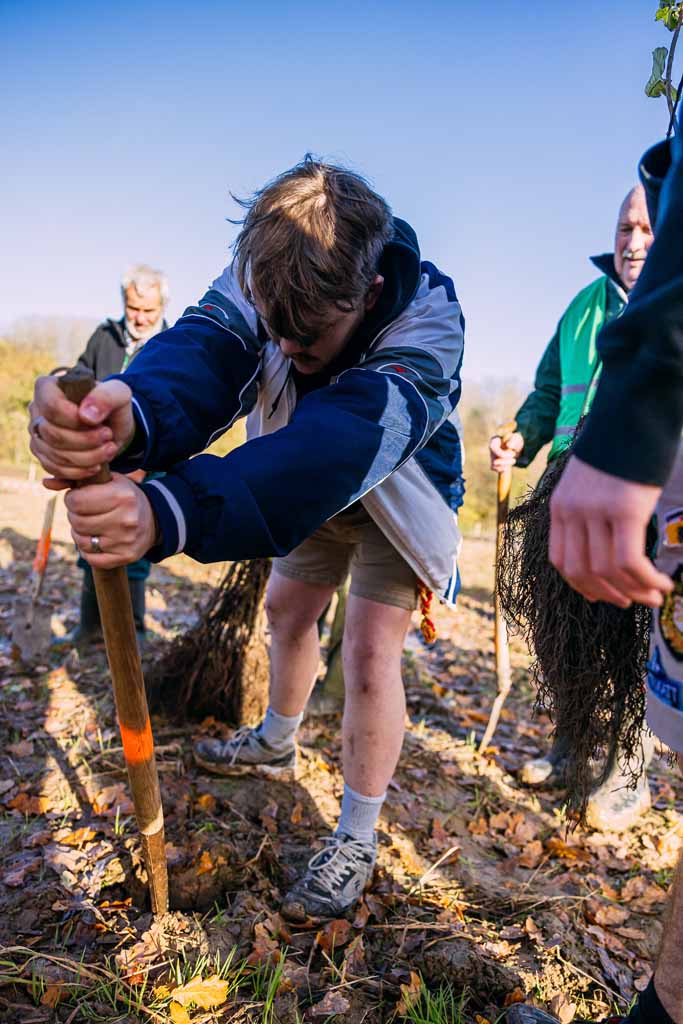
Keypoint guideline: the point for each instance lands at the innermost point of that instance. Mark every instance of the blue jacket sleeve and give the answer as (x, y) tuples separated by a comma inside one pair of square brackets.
[(190, 383), (634, 427), (267, 496)]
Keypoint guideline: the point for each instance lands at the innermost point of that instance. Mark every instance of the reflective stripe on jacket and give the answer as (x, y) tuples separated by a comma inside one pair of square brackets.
[(579, 361)]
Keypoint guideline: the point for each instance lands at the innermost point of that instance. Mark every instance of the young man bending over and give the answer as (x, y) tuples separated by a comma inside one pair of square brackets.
[(343, 349)]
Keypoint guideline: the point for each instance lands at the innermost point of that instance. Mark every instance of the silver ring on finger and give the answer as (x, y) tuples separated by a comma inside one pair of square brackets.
[(95, 546), (34, 427)]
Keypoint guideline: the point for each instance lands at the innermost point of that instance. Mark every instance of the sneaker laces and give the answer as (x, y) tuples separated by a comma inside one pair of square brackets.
[(331, 863), (236, 742)]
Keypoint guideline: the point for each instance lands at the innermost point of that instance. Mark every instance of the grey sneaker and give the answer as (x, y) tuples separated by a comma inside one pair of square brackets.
[(334, 881), (549, 769), (245, 751), (616, 807)]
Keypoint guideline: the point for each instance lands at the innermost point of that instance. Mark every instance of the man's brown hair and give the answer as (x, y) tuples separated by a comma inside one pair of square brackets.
[(311, 238)]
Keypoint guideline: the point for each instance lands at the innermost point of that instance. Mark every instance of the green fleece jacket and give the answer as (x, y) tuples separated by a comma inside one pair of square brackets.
[(537, 417)]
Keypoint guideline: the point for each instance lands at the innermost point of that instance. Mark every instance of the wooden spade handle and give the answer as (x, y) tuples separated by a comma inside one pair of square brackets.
[(118, 626), (500, 636)]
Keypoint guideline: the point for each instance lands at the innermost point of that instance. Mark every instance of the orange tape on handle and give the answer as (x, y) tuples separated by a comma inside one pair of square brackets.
[(138, 744), (42, 552)]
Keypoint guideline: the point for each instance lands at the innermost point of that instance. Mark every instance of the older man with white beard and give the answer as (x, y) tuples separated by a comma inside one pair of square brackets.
[(113, 345)]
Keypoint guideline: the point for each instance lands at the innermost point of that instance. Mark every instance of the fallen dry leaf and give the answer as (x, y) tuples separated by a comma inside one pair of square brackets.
[(77, 837), (110, 799), (604, 913), (562, 1008), (24, 748), (354, 958), (52, 994), (532, 930), (532, 854), (207, 802), (17, 875), (296, 817), (557, 847), (631, 933), (516, 996), (178, 1013), (440, 837), (212, 991), (30, 804), (278, 927), (265, 949), (205, 863), (334, 935), (410, 993), (478, 827), (332, 1003)]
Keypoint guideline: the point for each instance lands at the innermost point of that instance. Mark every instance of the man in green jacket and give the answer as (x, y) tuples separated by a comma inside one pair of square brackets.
[(565, 383)]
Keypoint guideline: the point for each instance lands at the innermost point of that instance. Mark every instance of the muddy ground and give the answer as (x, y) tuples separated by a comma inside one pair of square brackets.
[(481, 896)]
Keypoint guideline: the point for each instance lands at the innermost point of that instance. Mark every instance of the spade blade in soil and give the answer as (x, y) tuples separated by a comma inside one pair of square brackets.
[(31, 632)]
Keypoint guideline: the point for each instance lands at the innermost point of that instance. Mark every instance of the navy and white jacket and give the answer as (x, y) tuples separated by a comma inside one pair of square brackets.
[(381, 426)]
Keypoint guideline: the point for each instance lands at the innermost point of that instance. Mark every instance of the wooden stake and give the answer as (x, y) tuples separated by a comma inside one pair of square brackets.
[(503, 670), (118, 626)]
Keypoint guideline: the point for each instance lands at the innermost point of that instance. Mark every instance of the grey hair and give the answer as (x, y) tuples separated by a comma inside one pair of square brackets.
[(143, 277)]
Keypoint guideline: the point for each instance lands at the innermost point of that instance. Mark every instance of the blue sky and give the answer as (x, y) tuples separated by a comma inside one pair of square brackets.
[(505, 132)]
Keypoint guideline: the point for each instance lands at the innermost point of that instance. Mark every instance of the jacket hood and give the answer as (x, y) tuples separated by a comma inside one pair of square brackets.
[(605, 264), (399, 265)]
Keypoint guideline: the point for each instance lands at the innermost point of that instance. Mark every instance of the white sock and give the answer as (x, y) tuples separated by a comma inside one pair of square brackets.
[(359, 814), (279, 731)]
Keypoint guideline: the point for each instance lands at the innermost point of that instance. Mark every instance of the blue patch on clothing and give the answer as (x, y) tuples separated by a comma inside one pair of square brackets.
[(436, 278), (453, 588), (441, 459), (666, 689)]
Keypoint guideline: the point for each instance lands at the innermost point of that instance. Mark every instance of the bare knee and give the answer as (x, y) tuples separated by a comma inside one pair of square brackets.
[(286, 620), (370, 670), (292, 608)]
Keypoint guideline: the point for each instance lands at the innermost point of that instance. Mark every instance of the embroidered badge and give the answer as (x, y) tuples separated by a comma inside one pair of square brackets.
[(671, 617), (669, 691), (673, 528)]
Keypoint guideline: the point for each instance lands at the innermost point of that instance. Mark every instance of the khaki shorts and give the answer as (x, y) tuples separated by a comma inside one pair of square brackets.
[(665, 665), (352, 542)]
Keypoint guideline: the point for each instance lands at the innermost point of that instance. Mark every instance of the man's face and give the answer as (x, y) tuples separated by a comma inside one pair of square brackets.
[(142, 310), (633, 237), (332, 339)]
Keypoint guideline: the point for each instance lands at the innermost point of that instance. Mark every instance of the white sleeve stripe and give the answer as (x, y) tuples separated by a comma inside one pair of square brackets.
[(216, 322), (222, 430), (141, 414), (176, 510)]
